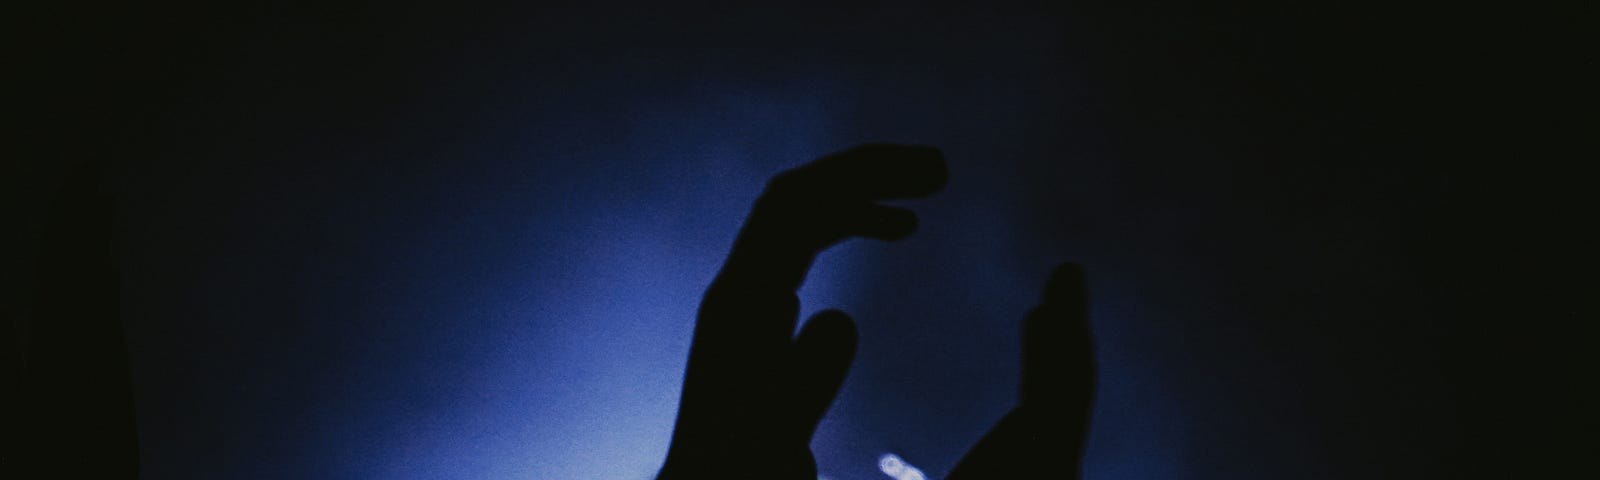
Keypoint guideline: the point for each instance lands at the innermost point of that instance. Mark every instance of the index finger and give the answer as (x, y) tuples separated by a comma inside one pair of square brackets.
[(807, 209), (867, 172)]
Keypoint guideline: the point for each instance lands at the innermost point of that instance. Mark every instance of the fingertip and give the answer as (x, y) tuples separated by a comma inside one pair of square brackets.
[(938, 168), (831, 327), (1067, 269), (1066, 284), (824, 351)]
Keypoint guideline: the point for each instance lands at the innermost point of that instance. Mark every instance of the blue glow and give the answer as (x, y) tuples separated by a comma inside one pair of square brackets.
[(603, 353), (503, 282)]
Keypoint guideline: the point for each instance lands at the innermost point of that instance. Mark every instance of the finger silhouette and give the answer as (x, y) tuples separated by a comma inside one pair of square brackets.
[(753, 393), (805, 210), (1057, 356), (823, 352), (868, 172), (1045, 433)]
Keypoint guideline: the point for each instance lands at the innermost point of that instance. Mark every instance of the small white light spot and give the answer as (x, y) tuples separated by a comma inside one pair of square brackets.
[(897, 468), (891, 465)]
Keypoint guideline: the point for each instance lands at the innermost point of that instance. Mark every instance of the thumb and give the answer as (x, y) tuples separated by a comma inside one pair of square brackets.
[(822, 356), (1057, 352)]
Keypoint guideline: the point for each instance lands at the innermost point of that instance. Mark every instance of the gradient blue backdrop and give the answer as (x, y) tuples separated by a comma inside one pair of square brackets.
[(457, 242)]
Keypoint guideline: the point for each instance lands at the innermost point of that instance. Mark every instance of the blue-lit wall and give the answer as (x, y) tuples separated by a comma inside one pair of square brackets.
[(407, 242)]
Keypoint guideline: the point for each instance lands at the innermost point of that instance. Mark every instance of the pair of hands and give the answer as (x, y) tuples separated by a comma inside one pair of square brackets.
[(754, 394)]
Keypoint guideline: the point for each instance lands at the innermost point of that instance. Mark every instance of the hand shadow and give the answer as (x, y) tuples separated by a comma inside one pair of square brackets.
[(753, 393)]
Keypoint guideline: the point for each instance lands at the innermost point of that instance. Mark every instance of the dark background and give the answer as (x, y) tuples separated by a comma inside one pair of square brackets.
[(396, 240)]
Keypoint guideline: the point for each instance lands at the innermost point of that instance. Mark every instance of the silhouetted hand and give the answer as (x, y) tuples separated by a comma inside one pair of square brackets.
[(754, 393), (1043, 436)]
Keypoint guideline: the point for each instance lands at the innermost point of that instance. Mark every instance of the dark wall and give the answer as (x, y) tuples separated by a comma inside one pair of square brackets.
[(397, 241)]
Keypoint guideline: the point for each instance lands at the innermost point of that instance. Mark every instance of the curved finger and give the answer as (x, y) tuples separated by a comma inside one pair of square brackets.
[(807, 209), (823, 352)]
